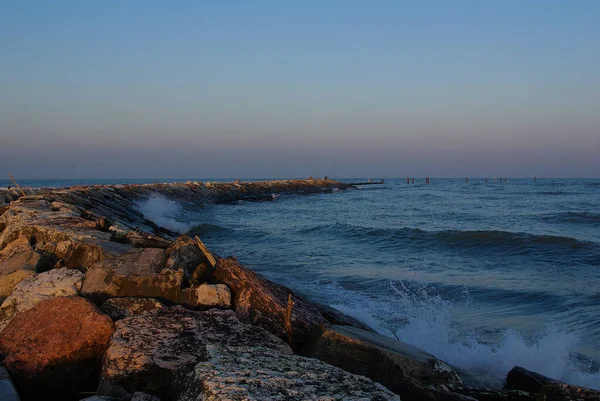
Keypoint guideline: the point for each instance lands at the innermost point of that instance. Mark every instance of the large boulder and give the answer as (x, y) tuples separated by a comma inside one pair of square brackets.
[(138, 273), (56, 348), (7, 388), (119, 308), (263, 303), (35, 289), (546, 388), (17, 262), (259, 373), (382, 359), (149, 351)]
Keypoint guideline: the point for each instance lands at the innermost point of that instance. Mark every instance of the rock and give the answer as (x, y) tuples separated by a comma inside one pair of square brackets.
[(334, 316), (379, 358), (260, 302), (148, 351), (17, 262), (138, 273), (206, 296), (7, 389), (496, 395), (130, 397), (259, 373), (103, 224), (546, 388), (119, 308), (82, 254), (184, 254), (62, 351), (35, 289)]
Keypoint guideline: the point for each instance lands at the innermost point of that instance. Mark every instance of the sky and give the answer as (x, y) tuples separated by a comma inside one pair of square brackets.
[(240, 89)]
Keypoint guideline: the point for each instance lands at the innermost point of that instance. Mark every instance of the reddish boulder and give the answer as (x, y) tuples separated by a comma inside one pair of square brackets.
[(56, 348), (263, 303)]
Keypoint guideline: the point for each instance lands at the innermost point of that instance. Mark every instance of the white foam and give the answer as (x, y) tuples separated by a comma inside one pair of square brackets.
[(163, 212), (418, 318)]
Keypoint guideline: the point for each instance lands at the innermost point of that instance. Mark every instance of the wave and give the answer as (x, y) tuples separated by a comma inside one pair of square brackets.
[(206, 229), (164, 212), (414, 314), (449, 238), (573, 217)]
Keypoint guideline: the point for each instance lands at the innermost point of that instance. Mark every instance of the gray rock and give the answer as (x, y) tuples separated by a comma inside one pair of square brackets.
[(259, 373), (148, 351), (119, 308), (7, 389), (380, 358), (35, 289)]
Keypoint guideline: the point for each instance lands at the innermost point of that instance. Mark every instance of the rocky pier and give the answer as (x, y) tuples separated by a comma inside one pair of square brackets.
[(100, 303)]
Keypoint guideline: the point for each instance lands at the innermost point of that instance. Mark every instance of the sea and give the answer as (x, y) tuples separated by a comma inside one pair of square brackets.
[(483, 275)]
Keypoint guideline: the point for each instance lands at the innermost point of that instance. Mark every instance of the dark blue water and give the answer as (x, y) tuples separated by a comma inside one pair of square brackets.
[(484, 276)]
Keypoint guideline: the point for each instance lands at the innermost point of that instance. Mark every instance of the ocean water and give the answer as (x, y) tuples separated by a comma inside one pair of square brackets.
[(483, 276)]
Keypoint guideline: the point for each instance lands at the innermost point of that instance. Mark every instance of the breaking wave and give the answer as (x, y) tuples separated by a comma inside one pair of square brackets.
[(165, 213)]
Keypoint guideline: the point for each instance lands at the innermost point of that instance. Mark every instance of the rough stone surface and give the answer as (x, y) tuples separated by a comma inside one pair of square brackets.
[(61, 353), (148, 351), (334, 316), (138, 273), (206, 296), (380, 358), (260, 302), (7, 389), (258, 373), (119, 308), (35, 289), (546, 388), (17, 262), (184, 254)]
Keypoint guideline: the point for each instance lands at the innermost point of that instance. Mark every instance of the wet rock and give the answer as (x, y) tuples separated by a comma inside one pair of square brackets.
[(259, 373), (138, 273), (7, 389), (119, 308), (35, 289), (206, 296), (334, 316), (260, 302), (148, 352), (184, 254), (380, 358), (546, 388), (495, 395), (62, 351)]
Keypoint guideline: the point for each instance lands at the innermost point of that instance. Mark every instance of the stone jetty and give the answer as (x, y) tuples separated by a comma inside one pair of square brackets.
[(100, 303)]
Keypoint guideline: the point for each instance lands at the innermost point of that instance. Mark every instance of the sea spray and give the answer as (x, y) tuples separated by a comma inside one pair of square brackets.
[(164, 213)]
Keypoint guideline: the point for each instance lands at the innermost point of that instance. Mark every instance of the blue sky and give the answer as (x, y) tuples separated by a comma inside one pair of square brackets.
[(118, 89)]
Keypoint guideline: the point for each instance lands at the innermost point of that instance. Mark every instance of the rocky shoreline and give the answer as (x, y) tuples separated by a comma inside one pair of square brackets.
[(99, 303)]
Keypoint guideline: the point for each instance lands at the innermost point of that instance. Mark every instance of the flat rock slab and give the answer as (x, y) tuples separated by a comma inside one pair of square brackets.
[(260, 302), (119, 308), (258, 373), (35, 289), (56, 348), (148, 352), (380, 358), (206, 296)]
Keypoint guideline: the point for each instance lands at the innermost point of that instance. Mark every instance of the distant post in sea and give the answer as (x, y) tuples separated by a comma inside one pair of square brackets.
[(413, 180), (486, 180), (408, 180), (534, 179), (426, 180), (467, 180)]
